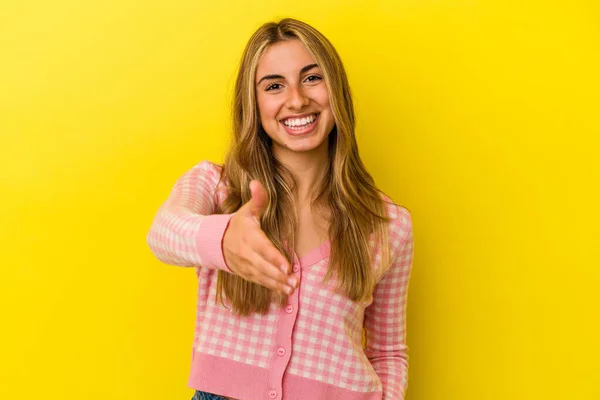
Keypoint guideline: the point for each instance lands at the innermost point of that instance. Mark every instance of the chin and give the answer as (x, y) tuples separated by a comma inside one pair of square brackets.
[(303, 146)]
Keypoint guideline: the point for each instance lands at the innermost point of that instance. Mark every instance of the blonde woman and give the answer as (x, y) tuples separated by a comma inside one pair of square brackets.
[(297, 252)]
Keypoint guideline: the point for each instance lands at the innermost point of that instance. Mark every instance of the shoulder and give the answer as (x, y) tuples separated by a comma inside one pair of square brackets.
[(208, 167), (210, 176), (203, 176), (205, 172), (400, 223)]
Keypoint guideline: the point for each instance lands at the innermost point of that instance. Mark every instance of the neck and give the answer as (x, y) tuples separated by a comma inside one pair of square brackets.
[(308, 169)]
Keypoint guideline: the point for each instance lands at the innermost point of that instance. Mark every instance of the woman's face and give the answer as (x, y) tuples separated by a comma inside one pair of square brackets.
[(293, 101)]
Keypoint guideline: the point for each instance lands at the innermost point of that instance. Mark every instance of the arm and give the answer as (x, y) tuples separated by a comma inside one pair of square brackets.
[(385, 318), (184, 231)]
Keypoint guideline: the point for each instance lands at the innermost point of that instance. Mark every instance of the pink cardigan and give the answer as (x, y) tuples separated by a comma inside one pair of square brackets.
[(309, 350)]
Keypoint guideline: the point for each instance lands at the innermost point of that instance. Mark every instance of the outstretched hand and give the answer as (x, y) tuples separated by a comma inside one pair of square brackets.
[(248, 251)]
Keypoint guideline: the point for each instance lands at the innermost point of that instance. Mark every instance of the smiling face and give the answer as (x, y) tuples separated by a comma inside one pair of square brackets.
[(292, 97)]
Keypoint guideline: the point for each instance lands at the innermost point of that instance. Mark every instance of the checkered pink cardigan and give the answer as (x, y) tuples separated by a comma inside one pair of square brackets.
[(312, 348)]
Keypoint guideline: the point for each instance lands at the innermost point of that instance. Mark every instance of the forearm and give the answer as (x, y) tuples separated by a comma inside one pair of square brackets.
[(392, 369), (179, 237), (185, 230)]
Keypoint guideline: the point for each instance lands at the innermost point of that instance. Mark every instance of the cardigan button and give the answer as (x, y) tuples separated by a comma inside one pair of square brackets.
[(289, 309), (295, 268), (272, 394), (281, 352)]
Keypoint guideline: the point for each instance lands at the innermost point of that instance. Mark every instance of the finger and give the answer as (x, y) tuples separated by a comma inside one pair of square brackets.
[(270, 253), (259, 200), (265, 270), (277, 286)]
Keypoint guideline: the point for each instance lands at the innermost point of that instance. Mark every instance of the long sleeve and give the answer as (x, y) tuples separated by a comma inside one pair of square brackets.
[(185, 230), (385, 317)]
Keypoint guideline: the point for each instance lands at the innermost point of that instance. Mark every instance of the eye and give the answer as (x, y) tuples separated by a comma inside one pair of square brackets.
[(273, 86), (313, 78)]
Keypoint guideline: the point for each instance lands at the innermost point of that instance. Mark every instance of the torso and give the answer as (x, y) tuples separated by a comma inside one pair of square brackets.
[(312, 232)]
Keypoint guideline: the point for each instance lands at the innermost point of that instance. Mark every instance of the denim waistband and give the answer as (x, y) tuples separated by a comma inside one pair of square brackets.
[(206, 396)]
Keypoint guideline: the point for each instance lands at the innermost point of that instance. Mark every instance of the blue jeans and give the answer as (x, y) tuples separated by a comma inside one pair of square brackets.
[(206, 396)]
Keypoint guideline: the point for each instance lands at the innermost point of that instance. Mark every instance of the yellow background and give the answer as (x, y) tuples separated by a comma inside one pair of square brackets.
[(480, 116)]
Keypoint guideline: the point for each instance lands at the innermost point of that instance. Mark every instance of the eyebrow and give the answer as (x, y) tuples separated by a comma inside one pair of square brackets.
[(275, 76)]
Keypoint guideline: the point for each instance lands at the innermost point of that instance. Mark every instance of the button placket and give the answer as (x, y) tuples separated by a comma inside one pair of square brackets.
[(283, 338)]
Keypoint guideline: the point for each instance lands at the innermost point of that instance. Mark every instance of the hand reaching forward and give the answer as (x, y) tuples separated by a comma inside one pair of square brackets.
[(248, 251)]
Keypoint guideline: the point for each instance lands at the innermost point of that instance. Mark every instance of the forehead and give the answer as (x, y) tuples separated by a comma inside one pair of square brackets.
[(283, 58)]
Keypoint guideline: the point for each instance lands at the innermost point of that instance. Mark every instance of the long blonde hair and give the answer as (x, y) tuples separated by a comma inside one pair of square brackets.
[(357, 209)]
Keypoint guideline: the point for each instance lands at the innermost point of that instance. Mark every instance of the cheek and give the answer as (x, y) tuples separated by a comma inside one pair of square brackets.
[(326, 105), (267, 109), (322, 98)]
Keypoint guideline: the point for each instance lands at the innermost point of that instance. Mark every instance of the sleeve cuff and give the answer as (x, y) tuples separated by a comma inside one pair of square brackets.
[(209, 241)]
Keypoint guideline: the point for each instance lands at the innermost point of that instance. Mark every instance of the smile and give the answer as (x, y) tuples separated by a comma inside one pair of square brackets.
[(300, 126), (300, 122)]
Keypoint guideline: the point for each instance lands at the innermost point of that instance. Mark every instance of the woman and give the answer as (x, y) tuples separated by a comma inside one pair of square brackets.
[(296, 250)]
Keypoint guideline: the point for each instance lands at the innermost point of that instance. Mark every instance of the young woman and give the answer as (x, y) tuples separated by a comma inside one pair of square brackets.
[(297, 252)]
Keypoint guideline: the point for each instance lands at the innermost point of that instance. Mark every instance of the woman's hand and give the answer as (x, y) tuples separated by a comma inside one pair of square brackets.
[(248, 251)]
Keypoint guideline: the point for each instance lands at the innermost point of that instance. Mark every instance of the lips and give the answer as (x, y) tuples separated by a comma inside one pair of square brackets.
[(294, 131), (294, 118)]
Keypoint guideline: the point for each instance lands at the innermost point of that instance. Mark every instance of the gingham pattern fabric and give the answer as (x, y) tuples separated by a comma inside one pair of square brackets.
[(316, 343)]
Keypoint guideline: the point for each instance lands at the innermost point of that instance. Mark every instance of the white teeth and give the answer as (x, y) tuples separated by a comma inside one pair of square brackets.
[(300, 121)]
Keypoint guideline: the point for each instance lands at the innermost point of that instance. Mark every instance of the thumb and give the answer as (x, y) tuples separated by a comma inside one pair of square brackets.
[(258, 203)]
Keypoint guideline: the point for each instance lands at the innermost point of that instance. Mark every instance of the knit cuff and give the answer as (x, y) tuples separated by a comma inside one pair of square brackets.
[(210, 241)]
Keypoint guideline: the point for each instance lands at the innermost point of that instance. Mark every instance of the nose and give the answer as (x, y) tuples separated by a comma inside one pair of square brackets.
[(297, 99)]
